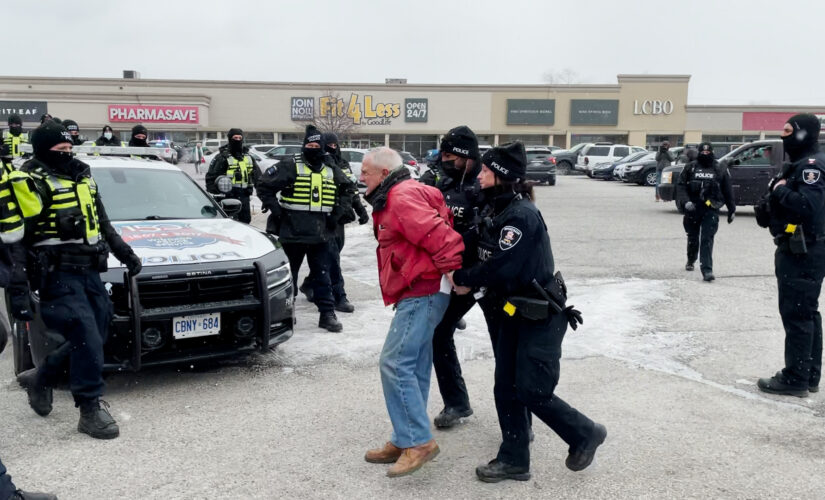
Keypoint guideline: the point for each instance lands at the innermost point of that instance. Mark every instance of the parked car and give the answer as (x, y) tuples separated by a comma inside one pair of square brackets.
[(409, 160), (260, 149), (281, 152), (540, 166), (751, 167), (566, 159), (211, 144), (641, 171), (170, 153), (606, 170), (602, 152), (210, 287)]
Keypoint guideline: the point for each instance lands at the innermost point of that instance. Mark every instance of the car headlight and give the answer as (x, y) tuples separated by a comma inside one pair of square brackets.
[(667, 177), (278, 276), (634, 168)]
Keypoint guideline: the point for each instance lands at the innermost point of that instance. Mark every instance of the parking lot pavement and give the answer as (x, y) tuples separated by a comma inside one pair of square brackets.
[(666, 361)]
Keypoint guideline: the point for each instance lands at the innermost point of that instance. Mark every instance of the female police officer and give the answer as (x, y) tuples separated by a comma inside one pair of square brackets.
[(525, 303)]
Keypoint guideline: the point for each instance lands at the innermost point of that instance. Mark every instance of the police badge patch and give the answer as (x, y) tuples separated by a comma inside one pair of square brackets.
[(510, 236), (810, 175), (271, 170)]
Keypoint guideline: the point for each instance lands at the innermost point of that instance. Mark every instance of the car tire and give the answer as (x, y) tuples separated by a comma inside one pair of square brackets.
[(22, 351), (551, 180), (564, 168), (649, 178)]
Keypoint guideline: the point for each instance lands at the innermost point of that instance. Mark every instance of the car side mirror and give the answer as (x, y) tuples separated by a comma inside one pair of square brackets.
[(231, 206)]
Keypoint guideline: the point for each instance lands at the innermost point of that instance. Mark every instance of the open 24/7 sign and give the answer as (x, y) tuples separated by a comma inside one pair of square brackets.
[(415, 109)]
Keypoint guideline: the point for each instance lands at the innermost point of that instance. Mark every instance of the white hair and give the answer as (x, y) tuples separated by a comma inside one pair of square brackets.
[(384, 157)]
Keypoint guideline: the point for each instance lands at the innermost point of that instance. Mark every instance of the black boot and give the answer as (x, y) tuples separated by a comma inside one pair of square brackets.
[(689, 266), (778, 384), (496, 471), (708, 276), (330, 322), (307, 290), (450, 416), (97, 422), (344, 306), (40, 396), (582, 457), (30, 495)]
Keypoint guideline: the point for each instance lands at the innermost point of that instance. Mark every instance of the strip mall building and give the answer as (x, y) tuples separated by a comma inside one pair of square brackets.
[(640, 110)]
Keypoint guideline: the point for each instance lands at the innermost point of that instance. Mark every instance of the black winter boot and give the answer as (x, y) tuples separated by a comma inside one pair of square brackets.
[(30, 495), (496, 471), (582, 457), (97, 422), (40, 396), (307, 290), (450, 416), (344, 306), (330, 322), (778, 384)]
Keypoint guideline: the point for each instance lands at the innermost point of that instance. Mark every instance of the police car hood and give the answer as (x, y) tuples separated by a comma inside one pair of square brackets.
[(170, 242)]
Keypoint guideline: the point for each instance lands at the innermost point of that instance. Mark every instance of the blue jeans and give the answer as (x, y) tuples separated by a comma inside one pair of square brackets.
[(406, 365)]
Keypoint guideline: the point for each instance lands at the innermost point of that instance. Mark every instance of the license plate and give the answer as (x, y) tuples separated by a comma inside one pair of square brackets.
[(201, 325)]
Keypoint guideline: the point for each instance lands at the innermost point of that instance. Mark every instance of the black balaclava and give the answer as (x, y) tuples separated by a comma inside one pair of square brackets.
[(331, 138), (462, 142), (803, 140), (15, 125), (139, 143), (313, 156), (235, 147), (44, 138), (705, 159), (74, 131)]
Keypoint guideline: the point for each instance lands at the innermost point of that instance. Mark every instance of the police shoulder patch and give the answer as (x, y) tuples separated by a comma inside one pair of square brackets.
[(811, 175), (510, 236), (271, 170)]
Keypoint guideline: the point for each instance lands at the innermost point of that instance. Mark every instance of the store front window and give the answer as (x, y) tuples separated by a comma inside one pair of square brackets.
[(613, 139), (486, 140), (362, 141), (416, 145), (527, 140), (285, 138), (259, 137), (654, 141)]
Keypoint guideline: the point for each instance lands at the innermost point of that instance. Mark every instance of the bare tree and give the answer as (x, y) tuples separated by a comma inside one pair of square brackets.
[(566, 76), (331, 116)]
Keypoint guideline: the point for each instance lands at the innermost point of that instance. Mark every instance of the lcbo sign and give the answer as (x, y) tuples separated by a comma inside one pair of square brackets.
[(152, 114), (653, 107)]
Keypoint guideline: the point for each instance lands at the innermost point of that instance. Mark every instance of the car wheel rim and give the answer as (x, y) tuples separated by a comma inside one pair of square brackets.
[(651, 179)]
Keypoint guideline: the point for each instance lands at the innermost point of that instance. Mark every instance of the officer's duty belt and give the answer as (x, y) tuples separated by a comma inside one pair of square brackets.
[(784, 239)]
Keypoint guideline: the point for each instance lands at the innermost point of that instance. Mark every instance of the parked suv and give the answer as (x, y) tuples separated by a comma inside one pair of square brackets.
[(751, 167), (602, 152), (565, 159), (540, 166)]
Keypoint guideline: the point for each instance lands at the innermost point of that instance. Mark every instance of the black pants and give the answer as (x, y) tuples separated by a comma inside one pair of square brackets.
[(527, 371), (335, 276), (77, 306), (320, 257), (799, 280), (701, 226), (445, 359), (245, 215), (7, 488)]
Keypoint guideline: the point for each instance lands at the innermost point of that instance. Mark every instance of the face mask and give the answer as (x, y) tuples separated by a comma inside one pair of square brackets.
[(139, 142), (705, 160), (57, 160), (451, 168), (796, 144), (107, 135), (15, 129), (333, 151), (313, 156), (235, 146)]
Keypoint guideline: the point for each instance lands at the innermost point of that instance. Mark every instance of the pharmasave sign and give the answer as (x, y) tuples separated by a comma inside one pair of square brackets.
[(531, 111), (152, 114), (29, 111), (362, 109)]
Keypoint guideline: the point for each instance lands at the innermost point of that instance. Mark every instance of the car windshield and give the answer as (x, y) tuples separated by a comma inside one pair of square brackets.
[(632, 157), (577, 147), (134, 193)]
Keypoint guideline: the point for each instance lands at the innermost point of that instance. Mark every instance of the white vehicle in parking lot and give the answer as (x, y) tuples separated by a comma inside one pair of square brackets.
[(602, 152)]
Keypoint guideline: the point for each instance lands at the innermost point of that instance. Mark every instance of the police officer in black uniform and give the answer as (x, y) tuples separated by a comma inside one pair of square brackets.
[(74, 131), (794, 211), (457, 178), (525, 302), (139, 137), (234, 161), (69, 244), (708, 186), (307, 197), (339, 293)]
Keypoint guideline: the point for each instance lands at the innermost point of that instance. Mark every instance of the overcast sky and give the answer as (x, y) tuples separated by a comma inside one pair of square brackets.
[(737, 51)]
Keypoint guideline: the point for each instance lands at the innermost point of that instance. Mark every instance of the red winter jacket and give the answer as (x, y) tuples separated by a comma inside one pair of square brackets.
[(416, 242)]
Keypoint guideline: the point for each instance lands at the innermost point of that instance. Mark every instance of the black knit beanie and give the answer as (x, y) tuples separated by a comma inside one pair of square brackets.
[(48, 135), (508, 162), (460, 141)]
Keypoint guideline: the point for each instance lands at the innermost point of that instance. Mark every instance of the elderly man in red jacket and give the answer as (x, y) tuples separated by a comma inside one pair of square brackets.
[(416, 248)]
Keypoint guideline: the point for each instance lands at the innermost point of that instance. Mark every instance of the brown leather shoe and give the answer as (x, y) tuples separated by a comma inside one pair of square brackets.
[(386, 455), (413, 458)]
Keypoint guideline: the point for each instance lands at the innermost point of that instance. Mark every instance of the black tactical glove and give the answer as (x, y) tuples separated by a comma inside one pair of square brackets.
[(133, 265), (5, 150), (21, 307), (731, 216), (574, 317), (332, 222), (363, 218)]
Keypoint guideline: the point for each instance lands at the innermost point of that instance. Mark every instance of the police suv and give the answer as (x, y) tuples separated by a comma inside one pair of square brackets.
[(210, 286)]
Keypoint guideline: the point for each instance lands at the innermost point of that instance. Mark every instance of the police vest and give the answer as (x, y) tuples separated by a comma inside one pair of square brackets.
[(704, 184), (14, 142), (239, 171), (312, 191), (461, 199), (71, 216), (18, 200)]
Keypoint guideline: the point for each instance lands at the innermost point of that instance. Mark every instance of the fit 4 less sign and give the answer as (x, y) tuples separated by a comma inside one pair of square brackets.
[(366, 109)]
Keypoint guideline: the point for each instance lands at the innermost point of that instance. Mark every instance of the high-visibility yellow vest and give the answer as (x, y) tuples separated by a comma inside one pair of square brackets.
[(14, 142), (312, 191), (18, 201), (240, 171), (69, 199)]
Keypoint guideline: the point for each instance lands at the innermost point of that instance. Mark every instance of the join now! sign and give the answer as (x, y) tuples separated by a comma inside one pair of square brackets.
[(152, 114)]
